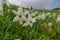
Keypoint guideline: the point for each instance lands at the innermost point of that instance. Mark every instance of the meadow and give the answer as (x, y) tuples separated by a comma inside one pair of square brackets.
[(46, 27)]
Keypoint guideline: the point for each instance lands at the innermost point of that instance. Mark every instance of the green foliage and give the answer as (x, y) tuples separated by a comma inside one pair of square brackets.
[(13, 30), (56, 8)]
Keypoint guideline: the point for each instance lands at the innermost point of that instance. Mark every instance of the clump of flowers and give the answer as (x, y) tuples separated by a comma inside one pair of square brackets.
[(58, 18), (32, 17), (21, 16)]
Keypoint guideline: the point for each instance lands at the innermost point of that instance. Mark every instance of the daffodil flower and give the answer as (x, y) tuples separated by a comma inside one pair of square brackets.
[(26, 12), (30, 21), (41, 16), (58, 18), (19, 16), (54, 15), (48, 14), (36, 12), (33, 14)]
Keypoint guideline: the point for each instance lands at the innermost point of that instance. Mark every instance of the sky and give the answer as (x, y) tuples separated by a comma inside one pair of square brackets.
[(37, 4)]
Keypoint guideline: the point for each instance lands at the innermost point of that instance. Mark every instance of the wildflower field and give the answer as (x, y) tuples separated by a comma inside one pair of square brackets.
[(17, 23)]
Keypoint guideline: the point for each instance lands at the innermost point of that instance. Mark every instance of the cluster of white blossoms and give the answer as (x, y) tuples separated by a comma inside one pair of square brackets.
[(32, 17), (21, 17), (58, 18)]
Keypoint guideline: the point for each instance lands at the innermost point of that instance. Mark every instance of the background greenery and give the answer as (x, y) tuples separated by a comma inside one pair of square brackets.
[(13, 30)]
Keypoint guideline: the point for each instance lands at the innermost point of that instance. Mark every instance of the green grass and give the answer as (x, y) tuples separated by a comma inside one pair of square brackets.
[(13, 30)]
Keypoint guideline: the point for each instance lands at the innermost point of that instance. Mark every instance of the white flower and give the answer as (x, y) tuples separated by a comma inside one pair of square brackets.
[(41, 16), (48, 14), (19, 16), (15, 12), (29, 21), (54, 14), (33, 14), (26, 12), (50, 24), (36, 12), (58, 18)]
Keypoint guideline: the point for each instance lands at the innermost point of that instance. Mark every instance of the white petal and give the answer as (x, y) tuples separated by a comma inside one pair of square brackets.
[(25, 13), (50, 24), (20, 10), (16, 19), (24, 18), (25, 24), (58, 20), (14, 12), (36, 12), (39, 16), (54, 14), (21, 22), (34, 20), (33, 14), (48, 14), (29, 16), (31, 25)]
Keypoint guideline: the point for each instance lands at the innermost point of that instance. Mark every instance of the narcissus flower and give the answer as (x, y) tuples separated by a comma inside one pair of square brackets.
[(30, 21), (26, 12), (19, 16), (54, 14), (58, 18), (33, 14), (48, 14), (41, 16)]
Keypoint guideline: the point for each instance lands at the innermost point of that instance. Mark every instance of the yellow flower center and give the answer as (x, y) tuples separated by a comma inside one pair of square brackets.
[(30, 21), (20, 16)]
